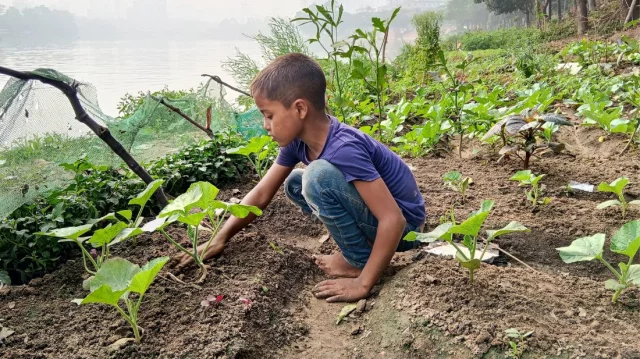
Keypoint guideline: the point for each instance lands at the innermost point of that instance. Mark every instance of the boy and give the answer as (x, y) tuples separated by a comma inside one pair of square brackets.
[(364, 194)]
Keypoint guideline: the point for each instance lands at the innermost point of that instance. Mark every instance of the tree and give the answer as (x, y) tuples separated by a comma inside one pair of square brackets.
[(582, 14), (527, 7)]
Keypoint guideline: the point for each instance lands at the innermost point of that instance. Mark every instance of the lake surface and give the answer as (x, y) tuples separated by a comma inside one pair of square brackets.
[(118, 67)]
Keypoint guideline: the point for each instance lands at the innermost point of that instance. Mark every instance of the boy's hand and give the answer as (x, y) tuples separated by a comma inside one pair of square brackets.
[(341, 290), (182, 260)]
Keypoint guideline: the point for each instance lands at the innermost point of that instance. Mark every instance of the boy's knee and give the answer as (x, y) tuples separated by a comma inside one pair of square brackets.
[(293, 183), (319, 175)]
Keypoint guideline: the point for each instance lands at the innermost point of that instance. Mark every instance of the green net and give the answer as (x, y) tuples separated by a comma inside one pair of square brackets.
[(38, 131)]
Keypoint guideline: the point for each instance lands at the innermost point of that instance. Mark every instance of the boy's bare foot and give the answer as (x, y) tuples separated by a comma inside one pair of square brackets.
[(335, 265), (182, 260)]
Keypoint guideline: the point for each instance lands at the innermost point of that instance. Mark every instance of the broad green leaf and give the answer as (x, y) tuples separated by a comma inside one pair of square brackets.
[(126, 214), (470, 226), (613, 202), (439, 232), (537, 179), (106, 235), (183, 202), (612, 284), (68, 232), (192, 219), (619, 126), (452, 176), (469, 264), (512, 227), (142, 280), (209, 194), (485, 206), (583, 249), (524, 175), (378, 24), (616, 186), (115, 272), (109, 216), (633, 275), (126, 234), (143, 197), (242, 210), (103, 294), (159, 223), (626, 240)]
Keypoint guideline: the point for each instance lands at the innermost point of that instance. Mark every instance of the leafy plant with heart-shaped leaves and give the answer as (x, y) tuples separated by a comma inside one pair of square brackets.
[(616, 187), (260, 151), (625, 241), (527, 134), (471, 258), (526, 178), (116, 279), (457, 182), (191, 208), (122, 226)]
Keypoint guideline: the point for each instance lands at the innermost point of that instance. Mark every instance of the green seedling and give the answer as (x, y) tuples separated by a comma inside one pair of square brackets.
[(457, 182), (625, 241), (470, 230), (116, 280), (122, 227), (191, 208), (260, 151), (528, 134), (517, 342), (616, 187), (527, 178)]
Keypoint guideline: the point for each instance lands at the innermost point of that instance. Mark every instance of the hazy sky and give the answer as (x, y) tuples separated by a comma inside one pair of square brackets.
[(204, 10)]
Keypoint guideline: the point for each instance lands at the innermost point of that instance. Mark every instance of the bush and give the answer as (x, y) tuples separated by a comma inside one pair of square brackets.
[(428, 28), (98, 190), (500, 39)]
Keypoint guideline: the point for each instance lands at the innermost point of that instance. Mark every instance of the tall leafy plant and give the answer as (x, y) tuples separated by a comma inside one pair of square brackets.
[(373, 74), (326, 21)]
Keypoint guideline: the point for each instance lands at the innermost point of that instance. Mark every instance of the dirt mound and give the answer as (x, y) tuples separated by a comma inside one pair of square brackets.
[(48, 325), (560, 310)]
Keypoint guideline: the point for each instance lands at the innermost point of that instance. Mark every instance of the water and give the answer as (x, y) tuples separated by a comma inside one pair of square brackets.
[(118, 67)]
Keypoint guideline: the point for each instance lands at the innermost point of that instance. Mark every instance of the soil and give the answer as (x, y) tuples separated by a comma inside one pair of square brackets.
[(423, 306)]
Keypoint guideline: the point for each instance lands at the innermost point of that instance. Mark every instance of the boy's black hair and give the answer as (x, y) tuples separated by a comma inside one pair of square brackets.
[(290, 77)]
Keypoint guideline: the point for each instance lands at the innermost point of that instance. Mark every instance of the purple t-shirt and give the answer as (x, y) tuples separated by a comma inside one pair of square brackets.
[(360, 157)]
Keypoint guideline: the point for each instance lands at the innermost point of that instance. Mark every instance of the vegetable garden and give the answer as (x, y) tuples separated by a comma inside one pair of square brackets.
[(530, 155)]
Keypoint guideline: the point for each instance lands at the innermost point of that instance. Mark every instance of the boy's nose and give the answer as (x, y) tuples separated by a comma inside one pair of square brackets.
[(266, 126)]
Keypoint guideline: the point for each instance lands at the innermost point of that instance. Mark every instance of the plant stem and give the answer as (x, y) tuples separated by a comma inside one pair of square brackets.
[(459, 251), (471, 275), (615, 272), (181, 248), (616, 295), (86, 254), (131, 322)]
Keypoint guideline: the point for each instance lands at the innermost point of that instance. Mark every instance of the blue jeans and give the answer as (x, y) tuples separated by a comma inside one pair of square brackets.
[(322, 191)]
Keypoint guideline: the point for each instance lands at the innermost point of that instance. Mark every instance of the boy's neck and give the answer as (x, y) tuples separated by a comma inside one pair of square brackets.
[(315, 132)]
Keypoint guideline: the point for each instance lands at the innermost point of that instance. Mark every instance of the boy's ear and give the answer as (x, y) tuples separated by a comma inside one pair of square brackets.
[(302, 108)]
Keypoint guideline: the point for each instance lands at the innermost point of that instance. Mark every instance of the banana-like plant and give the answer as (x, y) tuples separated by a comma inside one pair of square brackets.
[(525, 133)]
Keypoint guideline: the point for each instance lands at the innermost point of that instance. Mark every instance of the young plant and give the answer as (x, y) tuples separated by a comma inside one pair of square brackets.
[(114, 282), (526, 129), (517, 342), (471, 256), (123, 227), (625, 241), (526, 178), (260, 151), (457, 182), (616, 187), (191, 208)]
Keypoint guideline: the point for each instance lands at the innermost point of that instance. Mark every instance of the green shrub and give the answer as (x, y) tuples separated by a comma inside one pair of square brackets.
[(98, 190)]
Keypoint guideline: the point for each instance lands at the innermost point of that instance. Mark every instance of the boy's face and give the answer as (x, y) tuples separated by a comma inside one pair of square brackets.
[(283, 124)]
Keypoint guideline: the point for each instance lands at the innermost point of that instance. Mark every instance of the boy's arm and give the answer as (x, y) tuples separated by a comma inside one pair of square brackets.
[(391, 224), (260, 196)]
